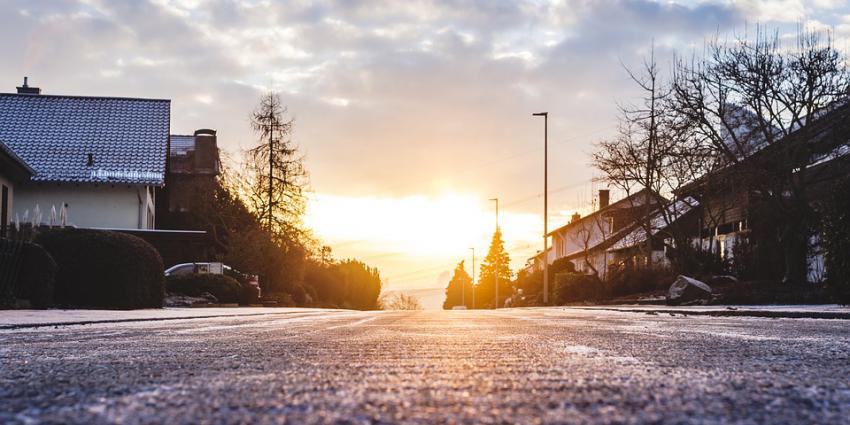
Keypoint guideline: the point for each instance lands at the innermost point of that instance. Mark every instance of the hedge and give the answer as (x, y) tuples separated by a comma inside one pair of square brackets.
[(103, 269), (37, 276), (578, 287), (224, 288)]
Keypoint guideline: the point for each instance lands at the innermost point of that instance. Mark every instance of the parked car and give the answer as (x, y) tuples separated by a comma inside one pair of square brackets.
[(249, 281)]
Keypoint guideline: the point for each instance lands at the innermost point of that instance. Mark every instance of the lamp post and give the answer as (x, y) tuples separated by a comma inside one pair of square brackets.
[(496, 304), (545, 116), (473, 278)]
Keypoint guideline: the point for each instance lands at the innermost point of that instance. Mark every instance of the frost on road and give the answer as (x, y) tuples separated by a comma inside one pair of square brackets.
[(518, 366)]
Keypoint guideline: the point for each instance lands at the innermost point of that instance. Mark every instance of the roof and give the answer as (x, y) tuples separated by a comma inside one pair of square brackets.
[(126, 137), (822, 137), (181, 144), (610, 207), (7, 152), (12, 165), (657, 223)]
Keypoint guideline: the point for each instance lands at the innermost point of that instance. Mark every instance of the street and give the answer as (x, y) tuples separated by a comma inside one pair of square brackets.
[(512, 366)]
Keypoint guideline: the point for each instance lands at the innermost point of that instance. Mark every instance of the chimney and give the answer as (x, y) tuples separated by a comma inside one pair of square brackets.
[(576, 217), (206, 151), (26, 89), (604, 198)]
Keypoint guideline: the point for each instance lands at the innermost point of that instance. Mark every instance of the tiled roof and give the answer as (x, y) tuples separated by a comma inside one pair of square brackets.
[(182, 144), (7, 151), (127, 138)]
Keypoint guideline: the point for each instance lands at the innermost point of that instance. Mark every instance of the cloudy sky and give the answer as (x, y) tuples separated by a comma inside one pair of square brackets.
[(412, 114)]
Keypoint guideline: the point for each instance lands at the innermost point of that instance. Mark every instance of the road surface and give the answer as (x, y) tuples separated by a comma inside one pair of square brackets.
[(511, 366)]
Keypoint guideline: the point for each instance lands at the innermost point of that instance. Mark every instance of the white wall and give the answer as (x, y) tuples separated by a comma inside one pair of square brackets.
[(89, 205)]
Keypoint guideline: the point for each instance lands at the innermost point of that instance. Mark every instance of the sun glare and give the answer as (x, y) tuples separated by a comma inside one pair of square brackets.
[(428, 231)]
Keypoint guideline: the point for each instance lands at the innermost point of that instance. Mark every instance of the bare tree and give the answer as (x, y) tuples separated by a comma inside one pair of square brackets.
[(276, 178), (755, 103), (654, 151), (401, 302)]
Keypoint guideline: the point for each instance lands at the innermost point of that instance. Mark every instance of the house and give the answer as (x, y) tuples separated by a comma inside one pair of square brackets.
[(675, 218), (100, 157), (193, 166), (735, 214), (13, 170), (585, 240)]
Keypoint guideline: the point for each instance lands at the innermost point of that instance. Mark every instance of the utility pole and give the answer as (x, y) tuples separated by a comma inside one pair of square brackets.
[(496, 304), (473, 278), (545, 116)]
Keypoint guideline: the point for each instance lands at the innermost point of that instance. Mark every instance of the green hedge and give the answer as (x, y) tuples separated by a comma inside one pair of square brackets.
[(224, 288), (103, 269)]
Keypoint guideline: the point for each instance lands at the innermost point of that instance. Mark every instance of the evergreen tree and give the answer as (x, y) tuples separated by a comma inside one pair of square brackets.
[(276, 180), (460, 282), (497, 263)]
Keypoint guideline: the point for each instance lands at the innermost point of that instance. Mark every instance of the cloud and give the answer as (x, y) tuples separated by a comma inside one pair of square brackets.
[(392, 98)]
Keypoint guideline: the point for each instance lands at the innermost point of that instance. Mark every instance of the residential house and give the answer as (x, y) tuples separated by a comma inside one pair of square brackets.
[(193, 166), (675, 220), (733, 214), (100, 157), (585, 240), (13, 170)]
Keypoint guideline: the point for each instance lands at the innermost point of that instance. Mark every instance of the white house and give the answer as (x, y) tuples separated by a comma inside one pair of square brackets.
[(99, 157), (13, 170), (585, 240)]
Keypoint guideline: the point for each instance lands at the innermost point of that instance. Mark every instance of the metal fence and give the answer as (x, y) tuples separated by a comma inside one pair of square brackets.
[(10, 264)]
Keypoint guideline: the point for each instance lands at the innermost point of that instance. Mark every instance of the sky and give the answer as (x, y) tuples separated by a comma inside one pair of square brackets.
[(412, 115)]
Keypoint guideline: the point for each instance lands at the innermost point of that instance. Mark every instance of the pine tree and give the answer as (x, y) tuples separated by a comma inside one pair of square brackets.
[(275, 174), (497, 263), (460, 281)]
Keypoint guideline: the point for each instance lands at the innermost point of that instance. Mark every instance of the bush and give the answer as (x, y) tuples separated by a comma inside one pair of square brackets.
[(103, 269), (224, 288), (37, 276), (578, 287), (623, 281)]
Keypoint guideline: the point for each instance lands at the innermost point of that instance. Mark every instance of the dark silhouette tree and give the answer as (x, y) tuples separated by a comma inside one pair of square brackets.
[(496, 263), (459, 289), (652, 150), (756, 102), (275, 178)]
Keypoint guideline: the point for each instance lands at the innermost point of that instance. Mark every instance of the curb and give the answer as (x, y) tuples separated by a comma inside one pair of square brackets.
[(130, 320), (736, 313)]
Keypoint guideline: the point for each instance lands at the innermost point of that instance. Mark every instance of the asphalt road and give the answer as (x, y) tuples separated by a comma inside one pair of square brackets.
[(511, 366)]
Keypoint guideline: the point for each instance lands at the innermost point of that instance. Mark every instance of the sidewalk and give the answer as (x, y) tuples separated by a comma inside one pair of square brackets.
[(13, 319), (826, 311)]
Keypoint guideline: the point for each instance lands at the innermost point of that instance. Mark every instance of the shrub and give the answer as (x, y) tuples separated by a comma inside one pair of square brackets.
[(37, 276), (224, 288), (578, 287), (634, 280), (103, 269)]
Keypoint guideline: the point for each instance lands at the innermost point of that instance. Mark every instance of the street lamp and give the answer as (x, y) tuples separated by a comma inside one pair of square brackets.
[(473, 278), (497, 259), (545, 116)]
